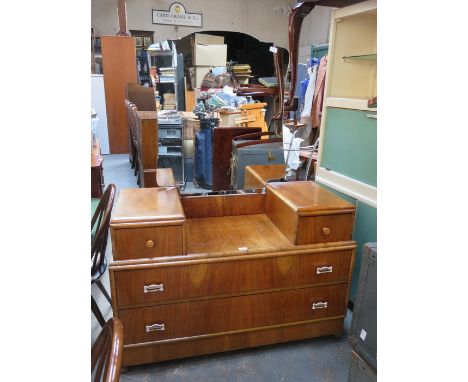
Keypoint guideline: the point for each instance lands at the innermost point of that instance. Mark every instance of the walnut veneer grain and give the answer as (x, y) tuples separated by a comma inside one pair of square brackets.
[(235, 271), (232, 313)]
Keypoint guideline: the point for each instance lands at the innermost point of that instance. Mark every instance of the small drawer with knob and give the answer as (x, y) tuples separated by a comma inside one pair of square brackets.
[(136, 243), (325, 228)]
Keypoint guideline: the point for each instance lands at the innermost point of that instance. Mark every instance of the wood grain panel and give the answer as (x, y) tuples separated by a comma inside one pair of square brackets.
[(191, 347), (132, 243), (223, 205), (311, 229), (118, 59), (137, 206), (147, 126), (229, 277), (160, 177), (231, 314), (229, 233), (284, 217), (308, 198), (256, 176)]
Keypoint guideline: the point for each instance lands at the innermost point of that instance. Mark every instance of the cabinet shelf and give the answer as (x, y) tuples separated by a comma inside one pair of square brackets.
[(361, 57)]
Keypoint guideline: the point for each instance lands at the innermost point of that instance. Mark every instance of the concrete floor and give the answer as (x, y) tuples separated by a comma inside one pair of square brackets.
[(323, 359)]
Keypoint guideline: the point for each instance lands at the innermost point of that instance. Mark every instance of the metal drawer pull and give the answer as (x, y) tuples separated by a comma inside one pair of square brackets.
[(319, 305), (325, 269), (154, 327), (150, 244), (326, 230), (153, 288)]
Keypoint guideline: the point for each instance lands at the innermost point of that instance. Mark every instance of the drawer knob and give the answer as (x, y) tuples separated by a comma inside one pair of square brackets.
[(319, 305), (154, 327), (325, 269), (153, 288), (150, 244), (326, 230)]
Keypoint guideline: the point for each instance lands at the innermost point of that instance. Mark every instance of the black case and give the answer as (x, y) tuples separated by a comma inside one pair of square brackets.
[(363, 330), (360, 371)]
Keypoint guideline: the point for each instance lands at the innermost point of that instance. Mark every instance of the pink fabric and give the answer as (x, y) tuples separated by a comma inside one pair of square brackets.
[(317, 104)]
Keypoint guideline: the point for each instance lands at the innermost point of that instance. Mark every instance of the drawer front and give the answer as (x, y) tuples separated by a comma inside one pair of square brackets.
[(196, 318), (159, 284), (135, 243), (324, 228)]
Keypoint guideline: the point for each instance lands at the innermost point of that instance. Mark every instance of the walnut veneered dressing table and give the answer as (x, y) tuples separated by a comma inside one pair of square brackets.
[(195, 275)]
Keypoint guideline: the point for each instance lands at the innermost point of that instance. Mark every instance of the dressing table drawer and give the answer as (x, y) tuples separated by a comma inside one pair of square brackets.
[(222, 315), (324, 228), (163, 283), (135, 243)]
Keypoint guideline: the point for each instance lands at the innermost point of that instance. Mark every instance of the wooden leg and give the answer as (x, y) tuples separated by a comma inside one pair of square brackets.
[(97, 313), (103, 290)]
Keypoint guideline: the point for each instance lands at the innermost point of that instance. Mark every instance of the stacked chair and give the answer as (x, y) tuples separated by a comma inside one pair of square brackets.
[(106, 353), (99, 234)]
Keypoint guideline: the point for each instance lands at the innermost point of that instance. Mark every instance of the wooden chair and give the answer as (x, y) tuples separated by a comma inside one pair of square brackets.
[(99, 234), (132, 133), (106, 353)]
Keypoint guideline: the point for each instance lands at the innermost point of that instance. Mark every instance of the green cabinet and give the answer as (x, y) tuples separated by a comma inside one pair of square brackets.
[(350, 144)]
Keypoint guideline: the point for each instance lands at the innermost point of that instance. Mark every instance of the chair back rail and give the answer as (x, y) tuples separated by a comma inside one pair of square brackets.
[(101, 219), (106, 353)]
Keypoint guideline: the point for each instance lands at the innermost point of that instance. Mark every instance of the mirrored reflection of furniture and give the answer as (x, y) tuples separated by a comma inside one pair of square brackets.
[(99, 234), (97, 172), (167, 77), (143, 39), (145, 132), (106, 353), (222, 150), (170, 145), (195, 275), (143, 98), (119, 69)]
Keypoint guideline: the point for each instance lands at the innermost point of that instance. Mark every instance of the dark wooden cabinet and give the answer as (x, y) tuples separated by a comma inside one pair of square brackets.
[(222, 149)]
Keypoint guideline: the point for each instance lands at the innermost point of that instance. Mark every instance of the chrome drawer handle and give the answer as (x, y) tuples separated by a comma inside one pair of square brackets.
[(325, 269), (319, 305), (153, 288), (154, 327)]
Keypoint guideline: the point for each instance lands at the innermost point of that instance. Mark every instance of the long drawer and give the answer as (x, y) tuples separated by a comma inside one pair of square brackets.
[(134, 243), (232, 314), (162, 283)]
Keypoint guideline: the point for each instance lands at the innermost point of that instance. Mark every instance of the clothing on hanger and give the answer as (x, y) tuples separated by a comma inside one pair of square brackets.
[(309, 93), (317, 103)]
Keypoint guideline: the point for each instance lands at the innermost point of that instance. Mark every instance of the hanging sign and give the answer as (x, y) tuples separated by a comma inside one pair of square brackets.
[(177, 16)]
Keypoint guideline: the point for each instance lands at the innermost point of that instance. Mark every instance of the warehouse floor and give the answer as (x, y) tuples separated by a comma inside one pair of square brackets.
[(322, 359)]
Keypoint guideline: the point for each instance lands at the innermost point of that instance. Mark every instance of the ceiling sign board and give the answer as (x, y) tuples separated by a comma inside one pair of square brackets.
[(177, 15)]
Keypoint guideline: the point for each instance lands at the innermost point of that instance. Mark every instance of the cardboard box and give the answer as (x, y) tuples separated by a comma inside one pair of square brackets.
[(208, 39), (210, 55)]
